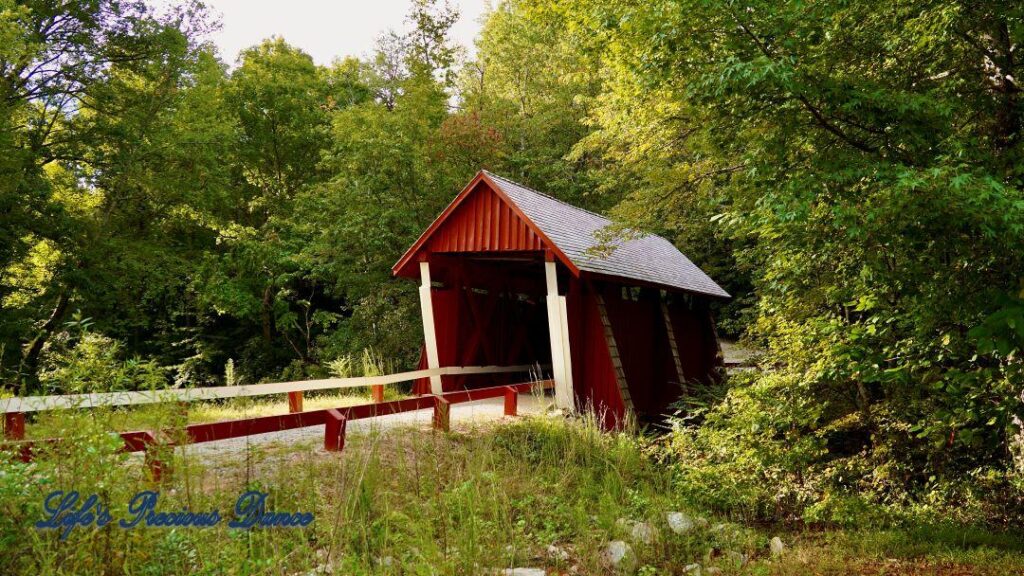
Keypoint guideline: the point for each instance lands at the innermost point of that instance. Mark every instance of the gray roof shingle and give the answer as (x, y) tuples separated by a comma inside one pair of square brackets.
[(649, 258)]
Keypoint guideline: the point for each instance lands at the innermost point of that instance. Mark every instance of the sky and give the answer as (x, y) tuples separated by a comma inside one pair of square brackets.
[(322, 28)]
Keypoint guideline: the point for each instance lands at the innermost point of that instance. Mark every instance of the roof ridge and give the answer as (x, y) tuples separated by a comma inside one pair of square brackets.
[(642, 233), (548, 196)]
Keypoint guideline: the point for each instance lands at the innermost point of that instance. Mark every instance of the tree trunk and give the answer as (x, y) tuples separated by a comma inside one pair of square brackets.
[(1008, 116), (28, 370), (267, 314)]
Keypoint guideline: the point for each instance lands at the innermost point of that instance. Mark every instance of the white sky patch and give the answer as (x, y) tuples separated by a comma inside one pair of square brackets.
[(324, 29)]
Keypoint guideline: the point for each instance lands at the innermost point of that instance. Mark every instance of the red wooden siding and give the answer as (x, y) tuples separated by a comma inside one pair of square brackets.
[(695, 338), (593, 374), (642, 341), (494, 327), (483, 222), (643, 346)]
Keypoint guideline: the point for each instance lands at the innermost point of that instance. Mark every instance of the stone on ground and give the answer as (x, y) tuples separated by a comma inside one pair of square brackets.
[(638, 531), (557, 553), (523, 572), (776, 546), (620, 555), (679, 523), (643, 532)]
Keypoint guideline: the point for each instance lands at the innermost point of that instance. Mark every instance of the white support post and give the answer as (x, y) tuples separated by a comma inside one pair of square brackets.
[(558, 330), (566, 353), (429, 334)]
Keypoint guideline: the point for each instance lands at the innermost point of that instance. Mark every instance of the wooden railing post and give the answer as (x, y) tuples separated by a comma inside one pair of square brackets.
[(442, 414), (155, 465), (158, 469), (295, 402), (14, 426), (377, 391), (334, 431), (511, 401)]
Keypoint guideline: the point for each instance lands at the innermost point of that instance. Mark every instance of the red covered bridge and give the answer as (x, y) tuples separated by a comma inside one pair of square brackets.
[(512, 276)]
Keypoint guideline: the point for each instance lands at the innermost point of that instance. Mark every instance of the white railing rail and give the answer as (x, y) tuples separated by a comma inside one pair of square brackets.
[(40, 403)]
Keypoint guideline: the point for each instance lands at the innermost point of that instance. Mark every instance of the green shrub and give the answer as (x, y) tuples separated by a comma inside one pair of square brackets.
[(786, 445), (93, 363)]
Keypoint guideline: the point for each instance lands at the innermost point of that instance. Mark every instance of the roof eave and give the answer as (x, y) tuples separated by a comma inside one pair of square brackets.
[(724, 296), (407, 257)]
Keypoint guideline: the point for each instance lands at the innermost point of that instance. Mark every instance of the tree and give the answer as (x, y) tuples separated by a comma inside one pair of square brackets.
[(388, 183), (527, 94), (58, 69), (865, 160), (430, 52), (280, 102)]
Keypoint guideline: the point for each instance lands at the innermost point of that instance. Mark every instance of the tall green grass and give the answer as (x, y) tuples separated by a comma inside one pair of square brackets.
[(397, 501)]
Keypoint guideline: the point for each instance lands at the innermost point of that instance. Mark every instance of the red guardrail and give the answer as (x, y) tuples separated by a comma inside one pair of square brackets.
[(335, 420)]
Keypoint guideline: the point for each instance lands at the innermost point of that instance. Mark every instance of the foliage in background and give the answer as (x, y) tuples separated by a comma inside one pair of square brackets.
[(863, 161), (199, 213)]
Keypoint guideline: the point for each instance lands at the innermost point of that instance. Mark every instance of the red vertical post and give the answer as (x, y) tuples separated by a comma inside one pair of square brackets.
[(334, 431), (511, 401), (155, 465), (294, 402), (158, 469), (25, 452), (377, 391), (14, 426), (442, 414)]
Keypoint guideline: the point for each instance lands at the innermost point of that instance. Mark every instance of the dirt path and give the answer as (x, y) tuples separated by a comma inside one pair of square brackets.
[(735, 353)]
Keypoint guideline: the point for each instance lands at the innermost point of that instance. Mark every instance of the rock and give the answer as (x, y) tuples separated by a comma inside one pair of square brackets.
[(386, 561), (638, 531), (557, 553), (702, 522), (323, 566), (679, 523), (643, 532), (736, 558), (523, 572), (620, 555), (776, 546), (692, 569)]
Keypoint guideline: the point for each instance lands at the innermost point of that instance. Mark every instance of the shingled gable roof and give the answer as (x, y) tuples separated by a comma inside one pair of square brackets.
[(572, 231)]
